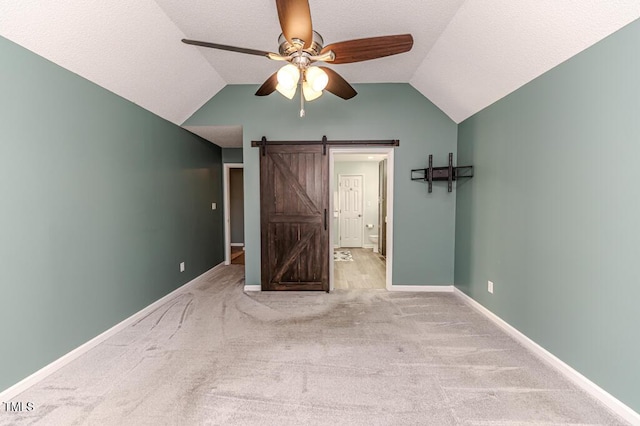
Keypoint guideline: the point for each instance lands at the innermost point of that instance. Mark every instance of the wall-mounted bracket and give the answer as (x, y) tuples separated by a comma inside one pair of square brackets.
[(448, 173)]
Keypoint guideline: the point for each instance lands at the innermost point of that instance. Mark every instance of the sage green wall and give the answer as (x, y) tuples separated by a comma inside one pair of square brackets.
[(100, 201), (552, 215), (423, 223), (232, 155)]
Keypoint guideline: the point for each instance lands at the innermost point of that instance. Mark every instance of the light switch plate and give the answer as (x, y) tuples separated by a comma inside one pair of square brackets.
[(213, 206)]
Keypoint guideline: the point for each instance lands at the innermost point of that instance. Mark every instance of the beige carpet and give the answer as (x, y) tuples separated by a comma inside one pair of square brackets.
[(217, 356)]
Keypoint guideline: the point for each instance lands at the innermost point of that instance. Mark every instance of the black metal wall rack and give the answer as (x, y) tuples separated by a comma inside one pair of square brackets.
[(448, 173)]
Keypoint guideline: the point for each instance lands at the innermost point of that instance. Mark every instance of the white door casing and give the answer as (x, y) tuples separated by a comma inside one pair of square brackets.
[(350, 210), (227, 211), (389, 152)]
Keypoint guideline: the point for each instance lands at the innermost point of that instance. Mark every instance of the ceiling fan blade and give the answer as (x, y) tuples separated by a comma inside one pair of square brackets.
[(226, 47), (338, 85), (295, 20), (365, 49), (269, 86)]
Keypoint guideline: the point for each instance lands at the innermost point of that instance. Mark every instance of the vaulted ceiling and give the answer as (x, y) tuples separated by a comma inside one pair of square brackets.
[(467, 54)]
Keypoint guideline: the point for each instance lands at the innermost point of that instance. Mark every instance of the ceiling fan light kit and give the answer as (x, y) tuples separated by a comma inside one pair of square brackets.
[(287, 92), (288, 77), (317, 78), (301, 46), (309, 93)]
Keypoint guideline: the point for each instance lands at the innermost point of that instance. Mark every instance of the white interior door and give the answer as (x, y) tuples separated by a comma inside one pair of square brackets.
[(350, 210)]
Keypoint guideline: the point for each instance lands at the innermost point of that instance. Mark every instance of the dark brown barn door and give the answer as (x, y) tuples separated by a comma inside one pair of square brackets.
[(294, 201)]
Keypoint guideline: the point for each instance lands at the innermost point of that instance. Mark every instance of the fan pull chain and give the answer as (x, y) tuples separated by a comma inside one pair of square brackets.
[(301, 100)]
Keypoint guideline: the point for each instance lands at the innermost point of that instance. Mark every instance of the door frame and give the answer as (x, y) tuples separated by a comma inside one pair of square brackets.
[(227, 208), (389, 151), (361, 207)]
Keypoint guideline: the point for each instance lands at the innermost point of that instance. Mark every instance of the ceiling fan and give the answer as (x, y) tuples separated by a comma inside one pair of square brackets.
[(301, 47)]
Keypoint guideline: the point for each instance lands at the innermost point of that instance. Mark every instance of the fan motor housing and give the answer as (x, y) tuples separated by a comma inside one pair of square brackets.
[(288, 49)]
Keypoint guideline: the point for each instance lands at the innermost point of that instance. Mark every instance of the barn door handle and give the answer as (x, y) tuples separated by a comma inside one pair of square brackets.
[(325, 219)]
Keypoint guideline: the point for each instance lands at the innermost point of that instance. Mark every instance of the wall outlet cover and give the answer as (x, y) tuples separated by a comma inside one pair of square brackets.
[(490, 286), (181, 266), (214, 206)]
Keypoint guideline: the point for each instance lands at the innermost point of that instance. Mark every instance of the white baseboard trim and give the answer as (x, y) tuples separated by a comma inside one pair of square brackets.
[(368, 246), (574, 376), (236, 244), (423, 288), (48, 369), (253, 287)]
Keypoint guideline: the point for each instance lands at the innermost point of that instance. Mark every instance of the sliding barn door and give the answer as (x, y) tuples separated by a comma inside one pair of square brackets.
[(294, 201)]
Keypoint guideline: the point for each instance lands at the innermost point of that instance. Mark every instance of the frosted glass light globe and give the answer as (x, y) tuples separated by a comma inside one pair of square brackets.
[(317, 78), (288, 77), (309, 93)]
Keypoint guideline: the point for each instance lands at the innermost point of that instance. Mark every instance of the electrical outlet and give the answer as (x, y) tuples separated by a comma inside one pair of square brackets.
[(490, 286), (181, 266), (214, 206)]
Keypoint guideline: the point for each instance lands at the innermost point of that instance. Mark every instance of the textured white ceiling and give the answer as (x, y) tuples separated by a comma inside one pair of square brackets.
[(256, 26), (345, 158), (223, 136), (467, 54), (128, 47), (493, 47)]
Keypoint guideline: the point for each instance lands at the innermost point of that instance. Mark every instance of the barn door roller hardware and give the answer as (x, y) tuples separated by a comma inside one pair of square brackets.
[(324, 142), (448, 173), (263, 146)]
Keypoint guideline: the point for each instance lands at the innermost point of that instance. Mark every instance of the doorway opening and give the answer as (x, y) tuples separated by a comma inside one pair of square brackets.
[(233, 213), (361, 227)]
